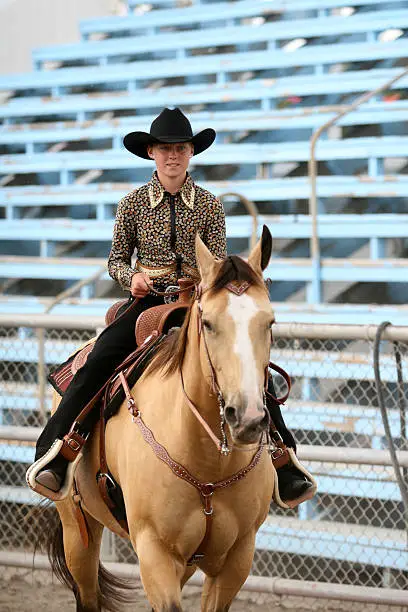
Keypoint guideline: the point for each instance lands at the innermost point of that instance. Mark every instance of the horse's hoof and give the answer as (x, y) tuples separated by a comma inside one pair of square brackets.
[(49, 479)]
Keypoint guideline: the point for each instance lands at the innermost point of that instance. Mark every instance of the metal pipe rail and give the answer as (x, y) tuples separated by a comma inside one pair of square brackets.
[(313, 208), (257, 584), (306, 452), (252, 210), (281, 330)]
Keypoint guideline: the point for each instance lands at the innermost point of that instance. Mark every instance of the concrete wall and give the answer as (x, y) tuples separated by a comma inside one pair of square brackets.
[(25, 24)]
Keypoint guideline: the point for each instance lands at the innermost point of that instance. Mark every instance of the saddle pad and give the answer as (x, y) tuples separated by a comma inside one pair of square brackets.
[(61, 377)]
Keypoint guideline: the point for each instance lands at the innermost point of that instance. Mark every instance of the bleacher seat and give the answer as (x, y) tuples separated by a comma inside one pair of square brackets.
[(227, 36)]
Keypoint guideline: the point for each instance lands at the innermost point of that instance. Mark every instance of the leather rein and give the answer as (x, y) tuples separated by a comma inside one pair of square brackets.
[(207, 489)]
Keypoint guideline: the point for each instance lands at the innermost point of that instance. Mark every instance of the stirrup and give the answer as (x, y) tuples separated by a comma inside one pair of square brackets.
[(293, 503), (41, 463)]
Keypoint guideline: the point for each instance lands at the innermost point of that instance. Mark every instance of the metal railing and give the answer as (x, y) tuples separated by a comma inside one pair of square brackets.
[(316, 293), (251, 209)]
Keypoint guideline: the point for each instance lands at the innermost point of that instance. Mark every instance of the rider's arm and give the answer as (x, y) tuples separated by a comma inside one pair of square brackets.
[(215, 232), (123, 245)]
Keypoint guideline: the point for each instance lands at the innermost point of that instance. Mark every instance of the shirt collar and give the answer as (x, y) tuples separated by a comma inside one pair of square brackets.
[(156, 191)]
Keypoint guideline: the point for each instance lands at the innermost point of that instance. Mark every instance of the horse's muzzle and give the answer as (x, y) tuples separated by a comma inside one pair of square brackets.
[(246, 431)]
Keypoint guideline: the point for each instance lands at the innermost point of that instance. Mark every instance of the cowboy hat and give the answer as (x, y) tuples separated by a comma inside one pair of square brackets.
[(169, 127)]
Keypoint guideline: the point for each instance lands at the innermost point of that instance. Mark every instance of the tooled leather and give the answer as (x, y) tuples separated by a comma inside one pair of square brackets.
[(154, 319), (81, 357), (111, 313), (63, 374)]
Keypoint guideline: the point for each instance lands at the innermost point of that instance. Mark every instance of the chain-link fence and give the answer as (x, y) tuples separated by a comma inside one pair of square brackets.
[(353, 531)]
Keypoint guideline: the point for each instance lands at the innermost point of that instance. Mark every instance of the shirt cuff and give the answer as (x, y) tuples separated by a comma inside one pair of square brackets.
[(125, 278)]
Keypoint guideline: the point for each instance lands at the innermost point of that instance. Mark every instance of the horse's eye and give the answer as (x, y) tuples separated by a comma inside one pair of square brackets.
[(207, 325)]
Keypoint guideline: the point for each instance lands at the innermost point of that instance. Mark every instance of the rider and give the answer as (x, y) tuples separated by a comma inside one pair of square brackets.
[(159, 220)]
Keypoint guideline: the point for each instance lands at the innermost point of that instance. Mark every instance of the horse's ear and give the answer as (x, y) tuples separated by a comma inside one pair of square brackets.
[(208, 265), (260, 255)]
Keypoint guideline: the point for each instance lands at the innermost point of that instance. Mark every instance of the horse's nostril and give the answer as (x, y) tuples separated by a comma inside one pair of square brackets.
[(231, 416)]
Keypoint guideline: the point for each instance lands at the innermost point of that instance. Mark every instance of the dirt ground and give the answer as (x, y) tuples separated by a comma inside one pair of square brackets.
[(27, 591), (24, 591)]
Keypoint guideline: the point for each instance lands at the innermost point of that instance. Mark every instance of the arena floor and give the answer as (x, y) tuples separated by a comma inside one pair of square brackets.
[(22, 590)]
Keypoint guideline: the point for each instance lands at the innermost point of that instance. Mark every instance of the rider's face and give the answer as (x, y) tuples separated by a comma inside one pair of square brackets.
[(171, 159)]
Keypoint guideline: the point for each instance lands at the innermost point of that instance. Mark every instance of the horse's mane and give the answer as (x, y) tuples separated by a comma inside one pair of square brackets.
[(170, 354)]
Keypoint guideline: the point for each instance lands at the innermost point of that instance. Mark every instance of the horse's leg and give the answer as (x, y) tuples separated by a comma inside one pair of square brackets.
[(220, 590), (82, 563), (161, 572)]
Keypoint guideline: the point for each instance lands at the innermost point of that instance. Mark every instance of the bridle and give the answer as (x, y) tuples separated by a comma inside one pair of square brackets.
[(222, 442)]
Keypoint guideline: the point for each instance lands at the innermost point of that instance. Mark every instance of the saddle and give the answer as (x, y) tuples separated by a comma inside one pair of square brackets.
[(157, 320)]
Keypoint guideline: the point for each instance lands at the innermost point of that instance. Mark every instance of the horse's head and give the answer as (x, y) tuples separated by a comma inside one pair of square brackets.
[(236, 329)]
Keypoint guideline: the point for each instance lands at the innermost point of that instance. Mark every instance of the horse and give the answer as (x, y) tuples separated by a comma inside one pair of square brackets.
[(216, 362)]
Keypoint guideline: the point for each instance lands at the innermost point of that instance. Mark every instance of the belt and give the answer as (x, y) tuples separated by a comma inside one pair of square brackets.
[(154, 272)]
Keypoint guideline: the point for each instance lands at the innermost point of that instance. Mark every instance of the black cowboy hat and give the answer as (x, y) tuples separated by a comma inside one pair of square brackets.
[(170, 126)]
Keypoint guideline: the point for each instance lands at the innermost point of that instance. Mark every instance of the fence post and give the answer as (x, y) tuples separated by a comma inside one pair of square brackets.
[(40, 332)]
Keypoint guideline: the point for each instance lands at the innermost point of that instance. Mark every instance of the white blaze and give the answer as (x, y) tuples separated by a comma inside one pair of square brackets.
[(242, 309)]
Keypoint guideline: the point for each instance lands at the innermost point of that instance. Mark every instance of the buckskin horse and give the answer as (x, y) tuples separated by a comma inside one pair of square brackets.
[(189, 503)]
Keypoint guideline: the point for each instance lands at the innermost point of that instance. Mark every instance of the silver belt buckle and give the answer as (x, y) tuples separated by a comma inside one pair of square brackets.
[(169, 299)]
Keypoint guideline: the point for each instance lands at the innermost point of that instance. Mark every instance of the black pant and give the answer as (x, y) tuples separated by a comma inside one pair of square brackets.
[(113, 345)]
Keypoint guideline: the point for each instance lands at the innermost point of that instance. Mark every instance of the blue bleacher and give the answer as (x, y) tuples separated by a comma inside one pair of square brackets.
[(268, 33), (221, 12), (242, 89)]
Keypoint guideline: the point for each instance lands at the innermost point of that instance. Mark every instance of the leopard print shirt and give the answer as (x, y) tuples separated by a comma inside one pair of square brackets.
[(143, 224)]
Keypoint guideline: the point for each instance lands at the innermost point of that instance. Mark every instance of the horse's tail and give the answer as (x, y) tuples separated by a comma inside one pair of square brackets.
[(114, 592)]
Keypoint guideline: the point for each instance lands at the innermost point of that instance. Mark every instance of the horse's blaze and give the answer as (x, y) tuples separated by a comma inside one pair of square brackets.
[(244, 312)]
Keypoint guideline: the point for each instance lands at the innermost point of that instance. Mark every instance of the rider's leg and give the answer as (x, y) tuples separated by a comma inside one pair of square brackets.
[(111, 348), (292, 483)]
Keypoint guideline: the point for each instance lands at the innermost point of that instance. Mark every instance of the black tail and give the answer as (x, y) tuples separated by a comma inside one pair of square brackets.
[(114, 592)]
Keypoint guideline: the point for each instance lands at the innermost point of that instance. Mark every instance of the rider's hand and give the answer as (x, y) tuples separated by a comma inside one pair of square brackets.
[(140, 285)]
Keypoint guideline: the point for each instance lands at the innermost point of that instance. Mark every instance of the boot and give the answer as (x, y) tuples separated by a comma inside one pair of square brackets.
[(294, 483), (53, 475)]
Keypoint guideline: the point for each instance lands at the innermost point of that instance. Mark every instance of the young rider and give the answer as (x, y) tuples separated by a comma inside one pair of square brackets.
[(159, 220)]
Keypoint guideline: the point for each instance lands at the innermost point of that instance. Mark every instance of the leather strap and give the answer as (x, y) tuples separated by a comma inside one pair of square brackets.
[(102, 476), (72, 443), (285, 375), (198, 416), (132, 358), (280, 456), (80, 516)]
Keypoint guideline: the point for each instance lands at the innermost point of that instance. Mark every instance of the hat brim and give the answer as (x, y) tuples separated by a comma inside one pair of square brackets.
[(137, 142)]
